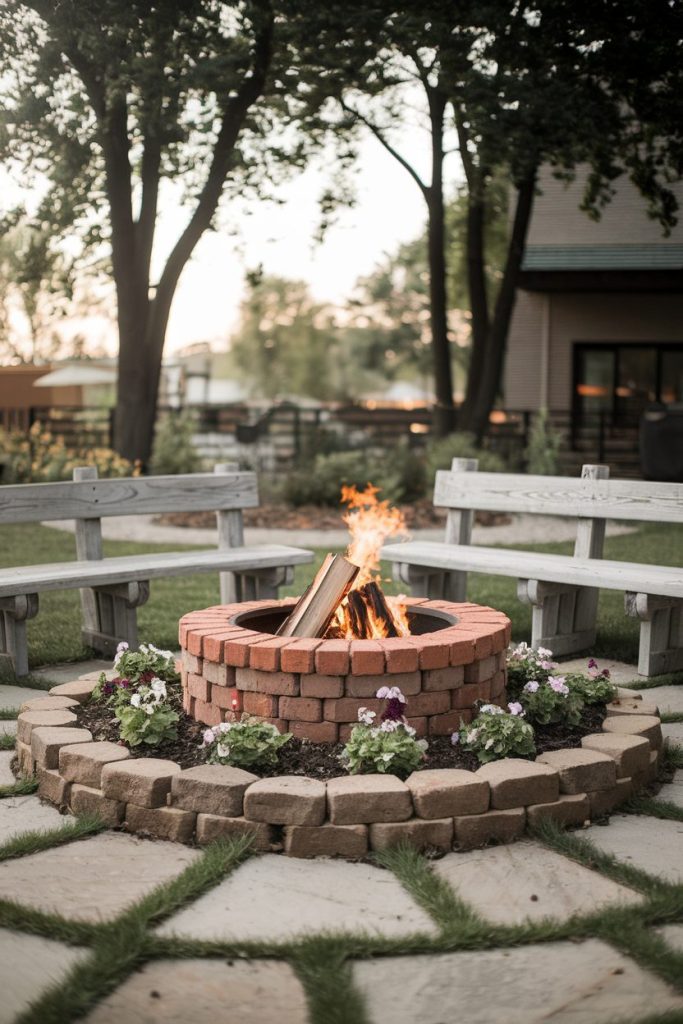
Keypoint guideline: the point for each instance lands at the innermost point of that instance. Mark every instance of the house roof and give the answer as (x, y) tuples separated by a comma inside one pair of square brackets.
[(664, 256)]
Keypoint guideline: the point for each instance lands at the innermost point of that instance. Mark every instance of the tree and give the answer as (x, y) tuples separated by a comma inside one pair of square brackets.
[(116, 97)]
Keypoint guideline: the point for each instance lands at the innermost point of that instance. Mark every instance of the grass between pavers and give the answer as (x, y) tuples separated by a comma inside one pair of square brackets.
[(54, 635), (22, 787), (8, 741), (653, 808), (672, 716), (44, 839), (8, 714)]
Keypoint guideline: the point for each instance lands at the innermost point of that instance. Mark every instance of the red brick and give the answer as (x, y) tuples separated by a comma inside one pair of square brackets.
[(199, 687), (462, 651), (483, 668), (332, 658), (345, 731), (301, 709), (498, 684), (401, 655), (367, 658), (322, 686), (508, 634), (498, 642), (266, 656), (409, 683), (214, 646), (209, 714), (432, 652), (345, 709), (465, 696), (280, 724), (316, 732), (419, 725), (299, 656), (236, 649), (191, 663), (195, 638), (262, 704), (189, 623), (226, 698), (284, 684), (444, 725), (429, 703), (188, 704), (443, 678)]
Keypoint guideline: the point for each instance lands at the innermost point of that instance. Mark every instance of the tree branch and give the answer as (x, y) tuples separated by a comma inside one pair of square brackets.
[(389, 148)]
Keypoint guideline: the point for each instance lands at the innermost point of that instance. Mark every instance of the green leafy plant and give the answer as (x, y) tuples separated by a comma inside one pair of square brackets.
[(174, 449), (244, 744), (595, 686), (524, 664), (40, 457), (462, 445), (135, 668), (551, 701), (147, 717), (543, 449), (496, 733), (390, 747)]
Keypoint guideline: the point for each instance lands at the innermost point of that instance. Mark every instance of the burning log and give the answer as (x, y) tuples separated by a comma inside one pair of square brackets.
[(314, 611), (368, 603)]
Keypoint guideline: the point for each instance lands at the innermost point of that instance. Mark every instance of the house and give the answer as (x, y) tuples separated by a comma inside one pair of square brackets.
[(597, 330)]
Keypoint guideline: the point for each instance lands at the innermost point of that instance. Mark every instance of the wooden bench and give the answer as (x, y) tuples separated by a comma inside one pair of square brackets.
[(562, 589), (112, 588)]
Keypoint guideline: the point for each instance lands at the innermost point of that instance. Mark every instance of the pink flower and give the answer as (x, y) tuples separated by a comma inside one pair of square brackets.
[(515, 708)]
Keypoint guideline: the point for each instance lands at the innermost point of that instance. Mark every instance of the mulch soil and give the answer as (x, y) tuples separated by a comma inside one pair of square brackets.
[(319, 760), (421, 515)]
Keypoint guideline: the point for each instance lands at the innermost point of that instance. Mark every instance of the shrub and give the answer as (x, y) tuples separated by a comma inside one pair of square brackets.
[(543, 448), (524, 664), (594, 687), (135, 668), (551, 701), (244, 744), (174, 449), (496, 733), (40, 457), (398, 472), (388, 748), (147, 717), (462, 445)]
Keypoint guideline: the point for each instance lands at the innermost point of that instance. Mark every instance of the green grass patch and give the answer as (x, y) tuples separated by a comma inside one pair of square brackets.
[(34, 842), (22, 787), (662, 809), (672, 716), (8, 714), (8, 741)]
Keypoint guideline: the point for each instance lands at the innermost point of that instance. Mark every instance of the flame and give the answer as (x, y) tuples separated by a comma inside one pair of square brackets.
[(371, 522)]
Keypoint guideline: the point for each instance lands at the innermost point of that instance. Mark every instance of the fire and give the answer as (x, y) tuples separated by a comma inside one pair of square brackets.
[(367, 612)]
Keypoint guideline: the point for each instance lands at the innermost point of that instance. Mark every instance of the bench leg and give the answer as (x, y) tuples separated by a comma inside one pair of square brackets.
[(116, 616), (562, 616), (14, 613), (426, 582), (661, 632), (262, 584)]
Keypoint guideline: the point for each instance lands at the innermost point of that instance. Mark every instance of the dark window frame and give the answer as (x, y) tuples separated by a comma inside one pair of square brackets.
[(580, 347)]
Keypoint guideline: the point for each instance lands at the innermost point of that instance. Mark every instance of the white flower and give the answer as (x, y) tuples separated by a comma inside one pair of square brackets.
[(389, 725), (409, 729), (387, 758), (366, 717), (543, 652), (489, 744), (208, 736), (136, 700), (455, 738), (515, 708), (490, 709), (158, 687), (531, 686), (472, 735), (223, 750), (382, 693)]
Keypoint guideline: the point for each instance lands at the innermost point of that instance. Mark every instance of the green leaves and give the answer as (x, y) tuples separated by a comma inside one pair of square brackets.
[(495, 735), (150, 727), (245, 744), (393, 752)]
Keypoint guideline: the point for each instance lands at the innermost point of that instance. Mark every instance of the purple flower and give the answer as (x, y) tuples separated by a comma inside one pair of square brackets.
[(515, 708), (455, 738), (557, 684), (592, 663), (531, 686), (393, 712)]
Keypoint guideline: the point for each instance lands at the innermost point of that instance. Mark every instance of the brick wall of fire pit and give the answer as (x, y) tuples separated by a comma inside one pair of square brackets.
[(232, 662)]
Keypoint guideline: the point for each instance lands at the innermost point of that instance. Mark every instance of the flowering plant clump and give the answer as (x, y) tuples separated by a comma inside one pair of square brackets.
[(147, 717), (551, 700), (135, 669), (524, 664), (391, 746), (496, 733), (244, 744), (594, 686)]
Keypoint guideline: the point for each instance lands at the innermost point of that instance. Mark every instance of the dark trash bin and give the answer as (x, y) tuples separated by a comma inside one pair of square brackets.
[(661, 443)]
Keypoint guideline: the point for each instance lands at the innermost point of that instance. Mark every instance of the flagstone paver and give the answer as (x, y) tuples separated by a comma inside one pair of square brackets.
[(277, 898), (29, 965), (508, 884), (14, 696), (562, 982), (673, 791), (6, 774), (673, 934), (27, 814), (205, 992), (647, 843), (620, 673), (92, 879), (669, 699), (673, 732)]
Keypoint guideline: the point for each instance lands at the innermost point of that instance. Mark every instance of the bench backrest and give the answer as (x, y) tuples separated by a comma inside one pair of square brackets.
[(585, 497), (94, 499)]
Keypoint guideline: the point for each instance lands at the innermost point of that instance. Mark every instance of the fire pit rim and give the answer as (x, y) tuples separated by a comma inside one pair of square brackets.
[(244, 616)]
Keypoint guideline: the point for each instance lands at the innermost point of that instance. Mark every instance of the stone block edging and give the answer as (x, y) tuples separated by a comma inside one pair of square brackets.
[(348, 816)]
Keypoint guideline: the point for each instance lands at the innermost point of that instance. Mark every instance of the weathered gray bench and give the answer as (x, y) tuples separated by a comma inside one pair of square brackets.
[(562, 589), (113, 588)]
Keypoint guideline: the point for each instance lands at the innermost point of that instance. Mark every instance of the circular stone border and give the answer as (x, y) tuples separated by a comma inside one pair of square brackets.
[(348, 816)]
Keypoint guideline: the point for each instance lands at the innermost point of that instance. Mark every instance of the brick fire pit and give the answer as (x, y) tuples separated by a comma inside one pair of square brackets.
[(233, 662)]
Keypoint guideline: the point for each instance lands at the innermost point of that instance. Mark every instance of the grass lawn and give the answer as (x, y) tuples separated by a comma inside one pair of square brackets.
[(54, 636)]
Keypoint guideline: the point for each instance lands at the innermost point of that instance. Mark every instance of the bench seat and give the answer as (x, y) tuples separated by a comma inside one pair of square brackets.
[(665, 581)]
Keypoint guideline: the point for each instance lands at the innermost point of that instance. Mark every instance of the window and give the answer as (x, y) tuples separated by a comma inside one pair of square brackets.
[(621, 380)]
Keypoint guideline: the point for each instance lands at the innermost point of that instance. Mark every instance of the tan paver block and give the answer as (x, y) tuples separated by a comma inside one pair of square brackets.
[(286, 800), (421, 833), (52, 787), (631, 753), (582, 770), (361, 799), (632, 707), (29, 720), (145, 780), (475, 830), (409, 683), (215, 826), (478, 671), (90, 800), (79, 689), (444, 792), (211, 789), (646, 726), (350, 841), (83, 762), (284, 684), (47, 741), (517, 783), (604, 802), (443, 678), (161, 822), (571, 809), (48, 703)]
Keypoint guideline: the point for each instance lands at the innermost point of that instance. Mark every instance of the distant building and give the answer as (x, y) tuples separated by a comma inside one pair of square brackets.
[(598, 323)]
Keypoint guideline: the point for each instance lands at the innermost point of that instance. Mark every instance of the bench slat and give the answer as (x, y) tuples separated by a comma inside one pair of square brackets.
[(639, 500), (94, 499), (587, 572), (123, 569)]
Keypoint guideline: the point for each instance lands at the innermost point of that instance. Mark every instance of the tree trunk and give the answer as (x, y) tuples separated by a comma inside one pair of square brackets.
[(476, 284), (496, 341)]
